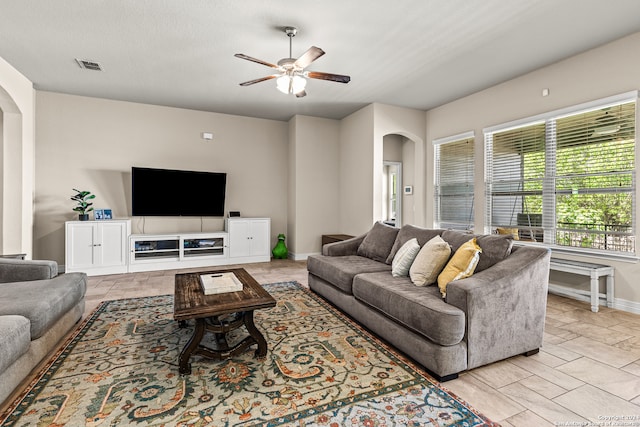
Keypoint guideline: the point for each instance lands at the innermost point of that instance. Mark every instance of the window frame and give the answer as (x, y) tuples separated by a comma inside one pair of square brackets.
[(437, 143), (549, 220)]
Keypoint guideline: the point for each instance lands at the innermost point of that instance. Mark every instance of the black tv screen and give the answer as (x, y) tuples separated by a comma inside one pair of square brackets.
[(166, 192)]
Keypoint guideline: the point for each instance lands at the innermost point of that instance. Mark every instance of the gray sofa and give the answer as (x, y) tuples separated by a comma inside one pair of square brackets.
[(496, 313), (38, 308)]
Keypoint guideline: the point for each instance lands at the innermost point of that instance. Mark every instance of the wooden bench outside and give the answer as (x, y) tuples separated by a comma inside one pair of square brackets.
[(594, 271)]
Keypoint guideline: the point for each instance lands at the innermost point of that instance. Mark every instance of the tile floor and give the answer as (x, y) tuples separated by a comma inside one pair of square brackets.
[(587, 370)]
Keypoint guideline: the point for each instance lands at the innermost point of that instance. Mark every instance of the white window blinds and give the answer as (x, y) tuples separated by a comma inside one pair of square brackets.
[(454, 182), (594, 179), (567, 180)]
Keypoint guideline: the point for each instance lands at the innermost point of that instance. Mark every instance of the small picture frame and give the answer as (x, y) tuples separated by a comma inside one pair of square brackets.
[(408, 189), (102, 214)]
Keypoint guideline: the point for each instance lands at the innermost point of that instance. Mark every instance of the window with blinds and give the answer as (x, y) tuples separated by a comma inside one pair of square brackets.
[(568, 180), (454, 182)]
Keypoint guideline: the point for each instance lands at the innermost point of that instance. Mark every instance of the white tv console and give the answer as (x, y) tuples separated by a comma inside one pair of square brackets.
[(244, 240)]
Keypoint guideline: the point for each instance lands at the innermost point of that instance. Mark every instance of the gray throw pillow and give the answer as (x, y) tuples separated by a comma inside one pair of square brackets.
[(378, 242)]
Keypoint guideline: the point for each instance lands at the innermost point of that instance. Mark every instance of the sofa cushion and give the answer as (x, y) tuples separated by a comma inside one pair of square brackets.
[(461, 265), (378, 242), (408, 232), (43, 302), (495, 247), (404, 258), (340, 270), (420, 309), (15, 338), (430, 261)]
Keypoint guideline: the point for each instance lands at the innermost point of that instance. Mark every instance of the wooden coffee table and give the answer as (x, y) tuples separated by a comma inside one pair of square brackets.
[(220, 313)]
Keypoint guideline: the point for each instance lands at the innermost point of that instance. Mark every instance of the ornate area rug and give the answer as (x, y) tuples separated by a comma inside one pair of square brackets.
[(120, 368)]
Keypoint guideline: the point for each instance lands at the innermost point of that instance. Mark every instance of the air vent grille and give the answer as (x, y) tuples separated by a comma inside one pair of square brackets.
[(89, 65)]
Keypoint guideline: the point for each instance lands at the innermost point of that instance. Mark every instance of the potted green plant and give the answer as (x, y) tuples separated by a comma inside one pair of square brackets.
[(84, 206)]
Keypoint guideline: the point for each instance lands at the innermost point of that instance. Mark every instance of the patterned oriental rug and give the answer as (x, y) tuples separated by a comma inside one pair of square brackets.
[(120, 368)]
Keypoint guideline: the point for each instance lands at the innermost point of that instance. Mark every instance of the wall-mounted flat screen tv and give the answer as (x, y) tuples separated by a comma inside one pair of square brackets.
[(166, 192)]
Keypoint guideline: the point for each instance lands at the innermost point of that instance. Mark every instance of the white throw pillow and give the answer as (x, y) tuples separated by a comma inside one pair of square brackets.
[(404, 258), (430, 261)]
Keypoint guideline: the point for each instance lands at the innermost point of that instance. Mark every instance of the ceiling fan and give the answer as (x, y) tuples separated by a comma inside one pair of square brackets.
[(291, 76)]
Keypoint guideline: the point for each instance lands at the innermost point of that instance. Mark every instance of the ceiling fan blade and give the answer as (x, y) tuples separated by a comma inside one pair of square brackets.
[(261, 79), (308, 57), (252, 59), (301, 94), (328, 76)]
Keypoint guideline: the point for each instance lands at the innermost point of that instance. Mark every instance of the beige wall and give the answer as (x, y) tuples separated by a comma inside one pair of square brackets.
[(17, 116), (357, 172), (609, 70), (315, 181), (409, 178), (91, 144)]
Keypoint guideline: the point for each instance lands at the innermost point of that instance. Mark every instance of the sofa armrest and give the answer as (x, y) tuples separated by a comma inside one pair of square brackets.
[(343, 248), (17, 270), (505, 306)]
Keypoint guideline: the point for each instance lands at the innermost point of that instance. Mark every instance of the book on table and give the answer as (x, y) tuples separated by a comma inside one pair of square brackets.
[(219, 283)]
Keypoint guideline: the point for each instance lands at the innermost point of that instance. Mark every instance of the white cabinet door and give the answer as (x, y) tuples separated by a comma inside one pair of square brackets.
[(239, 238), (260, 230), (112, 238), (80, 241)]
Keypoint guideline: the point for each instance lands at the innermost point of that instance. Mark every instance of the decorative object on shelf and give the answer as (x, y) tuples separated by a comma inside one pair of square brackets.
[(84, 206), (280, 251), (100, 214)]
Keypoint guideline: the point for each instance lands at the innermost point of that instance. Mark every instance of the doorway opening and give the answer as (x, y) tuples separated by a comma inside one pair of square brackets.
[(392, 193)]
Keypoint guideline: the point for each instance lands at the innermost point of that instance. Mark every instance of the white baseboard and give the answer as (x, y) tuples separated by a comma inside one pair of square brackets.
[(618, 303), (625, 305), (301, 257)]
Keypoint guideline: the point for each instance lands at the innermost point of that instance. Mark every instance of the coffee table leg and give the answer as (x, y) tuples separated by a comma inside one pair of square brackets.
[(194, 341), (261, 352)]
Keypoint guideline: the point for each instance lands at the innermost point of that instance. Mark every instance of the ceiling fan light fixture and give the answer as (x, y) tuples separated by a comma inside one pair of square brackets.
[(282, 83), (298, 84), (291, 84), (292, 77)]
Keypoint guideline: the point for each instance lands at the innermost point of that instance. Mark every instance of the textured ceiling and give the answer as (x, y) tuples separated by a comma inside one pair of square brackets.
[(417, 54)]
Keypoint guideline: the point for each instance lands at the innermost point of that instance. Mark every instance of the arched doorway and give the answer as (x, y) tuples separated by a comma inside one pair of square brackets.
[(398, 175)]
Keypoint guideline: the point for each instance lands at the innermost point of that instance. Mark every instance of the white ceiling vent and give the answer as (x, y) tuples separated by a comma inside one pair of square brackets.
[(89, 65)]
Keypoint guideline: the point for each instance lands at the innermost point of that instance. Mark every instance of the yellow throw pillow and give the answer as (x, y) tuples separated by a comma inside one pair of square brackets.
[(461, 265), (429, 263), (507, 231)]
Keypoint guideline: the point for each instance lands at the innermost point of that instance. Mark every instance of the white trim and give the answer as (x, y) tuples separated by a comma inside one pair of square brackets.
[(575, 109), (585, 252), (458, 137), (301, 257), (399, 191), (626, 305), (618, 303)]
